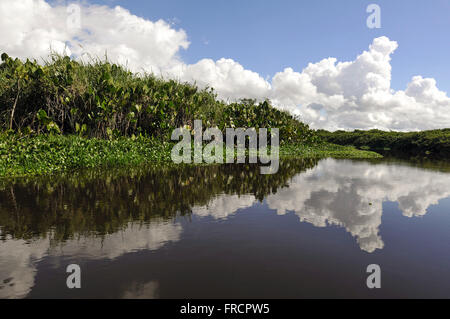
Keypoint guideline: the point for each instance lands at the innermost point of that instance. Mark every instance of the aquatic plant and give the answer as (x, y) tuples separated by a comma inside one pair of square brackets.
[(105, 100)]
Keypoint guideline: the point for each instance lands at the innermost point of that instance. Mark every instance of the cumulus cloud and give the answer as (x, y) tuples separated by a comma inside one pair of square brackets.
[(34, 27), (357, 94), (326, 94), (226, 76)]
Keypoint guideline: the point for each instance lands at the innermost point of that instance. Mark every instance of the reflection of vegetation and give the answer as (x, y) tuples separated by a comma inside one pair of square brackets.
[(439, 165), (425, 144), (104, 202)]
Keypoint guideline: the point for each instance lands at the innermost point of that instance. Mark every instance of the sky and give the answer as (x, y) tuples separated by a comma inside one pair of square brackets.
[(317, 59), (267, 36)]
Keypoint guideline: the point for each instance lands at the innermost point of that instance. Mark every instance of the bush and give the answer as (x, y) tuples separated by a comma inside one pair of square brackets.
[(104, 100), (433, 143)]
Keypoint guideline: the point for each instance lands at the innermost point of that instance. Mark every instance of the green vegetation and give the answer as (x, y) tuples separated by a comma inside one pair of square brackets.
[(66, 115), (104, 100), (43, 154), (323, 150), (426, 144), (46, 153)]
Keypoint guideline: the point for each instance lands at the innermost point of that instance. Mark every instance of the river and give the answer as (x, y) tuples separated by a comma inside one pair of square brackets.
[(226, 231)]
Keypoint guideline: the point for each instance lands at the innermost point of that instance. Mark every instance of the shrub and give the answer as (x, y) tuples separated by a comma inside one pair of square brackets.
[(102, 99)]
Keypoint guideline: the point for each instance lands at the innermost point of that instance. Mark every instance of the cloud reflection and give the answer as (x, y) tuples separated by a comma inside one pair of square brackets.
[(222, 206), (18, 258), (350, 195)]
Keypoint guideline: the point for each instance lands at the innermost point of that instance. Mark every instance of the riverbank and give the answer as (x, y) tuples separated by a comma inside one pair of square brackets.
[(48, 154), (66, 115)]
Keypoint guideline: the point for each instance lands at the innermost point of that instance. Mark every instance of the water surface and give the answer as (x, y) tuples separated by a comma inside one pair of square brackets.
[(228, 232)]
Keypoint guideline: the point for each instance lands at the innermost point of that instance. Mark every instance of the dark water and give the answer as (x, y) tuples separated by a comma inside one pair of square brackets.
[(228, 232)]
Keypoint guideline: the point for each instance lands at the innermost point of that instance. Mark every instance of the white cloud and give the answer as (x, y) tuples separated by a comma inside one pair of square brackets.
[(358, 94), (34, 27), (227, 77), (327, 94)]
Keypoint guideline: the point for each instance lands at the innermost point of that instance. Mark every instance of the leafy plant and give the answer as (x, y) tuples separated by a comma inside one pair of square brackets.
[(104, 100)]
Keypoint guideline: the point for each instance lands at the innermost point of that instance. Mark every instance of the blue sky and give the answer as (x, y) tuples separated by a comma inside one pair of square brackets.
[(267, 36)]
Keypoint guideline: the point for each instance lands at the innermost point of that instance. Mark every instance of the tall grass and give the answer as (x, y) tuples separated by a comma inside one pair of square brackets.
[(105, 100)]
